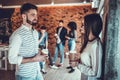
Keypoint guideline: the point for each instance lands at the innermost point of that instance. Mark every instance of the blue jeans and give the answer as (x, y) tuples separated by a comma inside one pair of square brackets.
[(59, 47), (38, 77), (71, 45), (42, 65)]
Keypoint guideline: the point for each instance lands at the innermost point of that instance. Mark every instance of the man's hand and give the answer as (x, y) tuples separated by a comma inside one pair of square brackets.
[(40, 58), (56, 35)]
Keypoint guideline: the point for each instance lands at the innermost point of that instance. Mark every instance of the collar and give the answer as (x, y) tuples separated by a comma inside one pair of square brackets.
[(24, 26)]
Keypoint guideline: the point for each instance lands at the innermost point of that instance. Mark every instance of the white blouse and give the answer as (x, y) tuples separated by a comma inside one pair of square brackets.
[(91, 61)]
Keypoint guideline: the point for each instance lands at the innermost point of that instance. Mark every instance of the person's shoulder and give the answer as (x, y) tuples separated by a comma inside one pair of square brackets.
[(35, 30), (17, 31)]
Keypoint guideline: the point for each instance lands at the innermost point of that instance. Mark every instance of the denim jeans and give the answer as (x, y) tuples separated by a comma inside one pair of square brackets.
[(50, 59), (42, 65), (38, 77), (71, 45), (59, 47)]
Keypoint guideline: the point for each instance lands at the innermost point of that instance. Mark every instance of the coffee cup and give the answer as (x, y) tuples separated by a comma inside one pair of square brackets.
[(44, 51)]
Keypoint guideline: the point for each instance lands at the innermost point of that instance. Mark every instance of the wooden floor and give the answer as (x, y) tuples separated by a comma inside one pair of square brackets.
[(52, 74)]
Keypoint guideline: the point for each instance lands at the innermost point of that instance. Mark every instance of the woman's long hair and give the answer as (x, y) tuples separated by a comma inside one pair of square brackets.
[(94, 23)]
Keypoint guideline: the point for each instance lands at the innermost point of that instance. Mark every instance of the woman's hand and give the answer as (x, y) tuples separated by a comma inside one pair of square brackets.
[(73, 64), (77, 56), (67, 37)]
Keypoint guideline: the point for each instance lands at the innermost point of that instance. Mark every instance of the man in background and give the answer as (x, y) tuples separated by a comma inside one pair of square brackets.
[(61, 32)]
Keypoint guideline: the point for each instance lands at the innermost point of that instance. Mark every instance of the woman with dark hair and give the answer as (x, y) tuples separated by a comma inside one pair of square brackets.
[(90, 63), (72, 36)]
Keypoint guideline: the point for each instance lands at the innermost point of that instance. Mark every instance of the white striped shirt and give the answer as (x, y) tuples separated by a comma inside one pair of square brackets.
[(24, 44)]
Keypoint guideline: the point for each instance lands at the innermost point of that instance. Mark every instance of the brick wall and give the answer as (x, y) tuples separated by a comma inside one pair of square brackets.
[(50, 15)]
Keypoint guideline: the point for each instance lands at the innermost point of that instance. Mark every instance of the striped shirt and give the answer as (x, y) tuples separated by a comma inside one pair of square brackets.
[(24, 44)]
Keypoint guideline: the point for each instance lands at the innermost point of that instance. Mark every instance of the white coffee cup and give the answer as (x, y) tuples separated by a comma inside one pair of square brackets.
[(45, 51)]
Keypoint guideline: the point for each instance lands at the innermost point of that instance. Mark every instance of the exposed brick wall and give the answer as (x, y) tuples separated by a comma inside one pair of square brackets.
[(50, 15)]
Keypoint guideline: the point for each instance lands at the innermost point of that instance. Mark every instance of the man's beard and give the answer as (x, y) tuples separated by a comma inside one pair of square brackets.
[(31, 22)]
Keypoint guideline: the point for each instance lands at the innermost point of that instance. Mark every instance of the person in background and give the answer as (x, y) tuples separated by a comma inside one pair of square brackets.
[(72, 37), (90, 64), (23, 46), (61, 32), (43, 45)]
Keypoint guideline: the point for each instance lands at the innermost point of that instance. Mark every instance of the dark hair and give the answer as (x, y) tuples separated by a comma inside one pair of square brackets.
[(94, 23), (43, 27), (61, 21), (26, 7), (72, 25)]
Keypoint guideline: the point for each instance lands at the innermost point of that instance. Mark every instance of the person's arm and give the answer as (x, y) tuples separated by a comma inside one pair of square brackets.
[(91, 70), (57, 30), (56, 33), (14, 46), (46, 43), (39, 41), (75, 35), (67, 37), (14, 57), (36, 58), (66, 34)]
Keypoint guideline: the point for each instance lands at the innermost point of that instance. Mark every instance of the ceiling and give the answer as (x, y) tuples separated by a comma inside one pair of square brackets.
[(37, 2)]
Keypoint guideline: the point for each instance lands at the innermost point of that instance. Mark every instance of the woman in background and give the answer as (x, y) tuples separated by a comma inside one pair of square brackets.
[(72, 36)]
